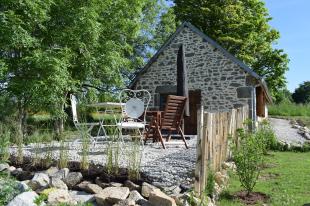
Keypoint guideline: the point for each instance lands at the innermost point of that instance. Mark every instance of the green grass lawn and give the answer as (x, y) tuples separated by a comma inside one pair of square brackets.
[(298, 112), (286, 179)]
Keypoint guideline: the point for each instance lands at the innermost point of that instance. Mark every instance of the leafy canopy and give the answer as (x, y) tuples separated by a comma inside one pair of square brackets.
[(241, 27), (302, 93)]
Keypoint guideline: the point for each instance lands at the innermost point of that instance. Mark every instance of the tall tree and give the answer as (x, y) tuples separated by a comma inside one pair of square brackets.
[(302, 93), (241, 27), (50, 48)]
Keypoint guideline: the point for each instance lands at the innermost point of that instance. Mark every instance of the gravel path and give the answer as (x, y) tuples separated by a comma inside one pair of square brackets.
[(285, 132), (164, 167)]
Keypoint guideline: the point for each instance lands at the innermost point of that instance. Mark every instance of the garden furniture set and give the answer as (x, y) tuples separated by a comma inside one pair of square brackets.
[(132, 118)]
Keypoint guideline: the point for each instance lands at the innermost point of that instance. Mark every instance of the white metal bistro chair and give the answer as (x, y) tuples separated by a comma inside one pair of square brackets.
[(133, 117), (82, 127)]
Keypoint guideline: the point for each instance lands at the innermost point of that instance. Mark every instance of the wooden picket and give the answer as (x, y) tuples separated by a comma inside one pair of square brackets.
[(214, 130)]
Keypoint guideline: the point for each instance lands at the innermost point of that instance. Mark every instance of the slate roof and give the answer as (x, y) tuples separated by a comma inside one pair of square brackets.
[(214, 44)]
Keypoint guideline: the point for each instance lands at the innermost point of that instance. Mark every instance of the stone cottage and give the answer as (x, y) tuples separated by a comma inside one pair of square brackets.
[(216, 79)]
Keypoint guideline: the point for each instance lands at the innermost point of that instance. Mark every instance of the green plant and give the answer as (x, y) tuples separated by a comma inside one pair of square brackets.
[(134, 159), (85, 148), (5, 135), (209, 189), (48, 157), (113, 151), (63, 154), (248, 158), (266, 136), (8, 188), (40, 199)]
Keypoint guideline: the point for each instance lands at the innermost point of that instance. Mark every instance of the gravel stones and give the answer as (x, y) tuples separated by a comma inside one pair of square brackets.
[(24, 199), (73, 178)]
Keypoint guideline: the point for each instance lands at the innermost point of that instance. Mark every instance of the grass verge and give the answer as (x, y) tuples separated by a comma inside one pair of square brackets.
[(286, 179)]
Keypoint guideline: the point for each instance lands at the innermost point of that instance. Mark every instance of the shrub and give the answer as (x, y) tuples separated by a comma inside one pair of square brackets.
[(248, 158), (266, 136), (8, 188), (5, 135), (209, 189)]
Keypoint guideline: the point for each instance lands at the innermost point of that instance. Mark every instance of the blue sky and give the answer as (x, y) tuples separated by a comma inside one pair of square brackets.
[(292, 19)]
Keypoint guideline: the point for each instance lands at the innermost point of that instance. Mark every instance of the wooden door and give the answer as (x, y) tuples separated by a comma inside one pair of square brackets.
[(190, 123)]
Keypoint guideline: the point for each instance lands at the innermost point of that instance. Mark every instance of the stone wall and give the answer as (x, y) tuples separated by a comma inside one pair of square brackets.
[(223, 83)]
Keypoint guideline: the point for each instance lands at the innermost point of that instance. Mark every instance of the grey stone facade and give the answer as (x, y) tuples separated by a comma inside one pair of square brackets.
[(223, 83)]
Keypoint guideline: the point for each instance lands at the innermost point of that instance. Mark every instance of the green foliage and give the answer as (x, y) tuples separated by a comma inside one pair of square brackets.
[(283, 96), (85, 148), (63, 154), (8, 188), (248, 158), (266, 136), (113, 151), (40, 199), (5, 135), (241, 27), (302, 93), (209, 189), (290, 109), (285, 178)]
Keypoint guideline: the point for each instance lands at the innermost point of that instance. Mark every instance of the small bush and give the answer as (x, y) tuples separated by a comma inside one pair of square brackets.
[(248, 158), (266, 136), (5, 135), (8, 188), (209, 189)]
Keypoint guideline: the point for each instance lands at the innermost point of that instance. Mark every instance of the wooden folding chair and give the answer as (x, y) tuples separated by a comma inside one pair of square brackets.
[(170, 121)]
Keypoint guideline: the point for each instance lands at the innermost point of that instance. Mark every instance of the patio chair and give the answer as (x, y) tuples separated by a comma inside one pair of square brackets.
[(82, 127), (169, 121), (133, 116)]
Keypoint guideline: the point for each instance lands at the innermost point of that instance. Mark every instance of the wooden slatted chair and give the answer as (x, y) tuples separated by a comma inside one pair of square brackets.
[(170, 121)]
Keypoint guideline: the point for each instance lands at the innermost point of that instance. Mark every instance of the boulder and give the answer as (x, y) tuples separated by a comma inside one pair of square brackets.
[(82, 186), (101, 184), (81, 196), (147, 189), (61, 174), (73, 178), (112, 195), (125, 203), (51, 171), (93, 189), (115, 184), (39, 181), (132, 186), (22, 175), (220, 179), (135, 196), (11, 169), (4, 166), (58, 183), (59, 196), (24, 199), (158, 198), (23, 186)]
